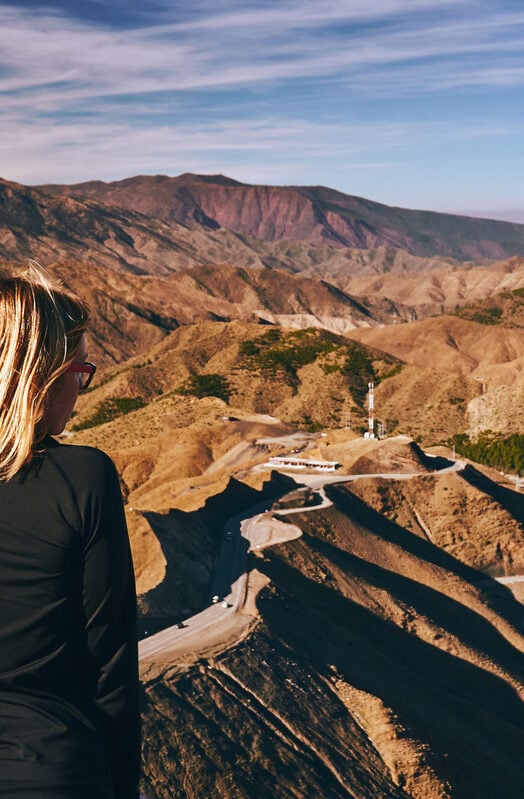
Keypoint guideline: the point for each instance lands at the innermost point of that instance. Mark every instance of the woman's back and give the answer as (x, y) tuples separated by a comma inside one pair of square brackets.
[(68, 681), (68, 648)]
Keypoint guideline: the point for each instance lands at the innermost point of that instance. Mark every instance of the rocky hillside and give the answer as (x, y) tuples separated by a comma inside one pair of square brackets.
[(504, 308), (36, 225), (130, 313), (311, 214), (380, 660), (212, 400), (304, 377), (439, 377), (464, 353), (444, 289), (379, 667)]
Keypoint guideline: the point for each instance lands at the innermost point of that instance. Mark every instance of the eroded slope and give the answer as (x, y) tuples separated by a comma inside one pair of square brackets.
[(378, 662)]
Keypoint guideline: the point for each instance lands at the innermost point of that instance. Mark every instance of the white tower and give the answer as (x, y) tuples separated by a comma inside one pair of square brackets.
[(371, 422)]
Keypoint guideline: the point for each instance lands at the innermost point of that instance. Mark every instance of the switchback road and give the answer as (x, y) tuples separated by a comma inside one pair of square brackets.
[(231, 612)]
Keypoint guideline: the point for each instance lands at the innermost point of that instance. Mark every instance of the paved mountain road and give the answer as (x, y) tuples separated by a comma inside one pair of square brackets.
[(227, 620)]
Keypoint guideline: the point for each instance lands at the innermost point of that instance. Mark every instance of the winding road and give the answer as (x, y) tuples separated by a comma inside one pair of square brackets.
[(231, 614)]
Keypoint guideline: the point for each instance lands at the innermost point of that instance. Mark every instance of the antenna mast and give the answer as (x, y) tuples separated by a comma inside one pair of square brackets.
[(371, 403)]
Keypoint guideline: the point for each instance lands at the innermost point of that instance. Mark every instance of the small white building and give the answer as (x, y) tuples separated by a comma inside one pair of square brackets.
[(285, 462)]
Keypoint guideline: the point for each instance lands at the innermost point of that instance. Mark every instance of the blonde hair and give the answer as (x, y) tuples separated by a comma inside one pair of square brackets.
[(41, 325)]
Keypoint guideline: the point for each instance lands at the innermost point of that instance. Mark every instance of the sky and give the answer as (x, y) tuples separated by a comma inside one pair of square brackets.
[(412, 103)]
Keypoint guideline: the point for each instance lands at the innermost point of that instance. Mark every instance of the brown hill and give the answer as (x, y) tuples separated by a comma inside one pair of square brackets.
[(37, 225), (379, 667), (442, 290), (481, 369), (180, 448), (304, 376), (457, 514), (316, 215), (51, 228), (313, 379), (130, 313), (270, 295), (450, 344), (504, 308)]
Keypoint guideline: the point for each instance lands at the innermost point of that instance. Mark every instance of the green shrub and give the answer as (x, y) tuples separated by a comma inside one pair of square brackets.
[(212, 385), (331, 368), (392, 372), (275, 352), (280, 354), (487, 316), (359, 369), (501, 453), (248, 348), (110, 409)]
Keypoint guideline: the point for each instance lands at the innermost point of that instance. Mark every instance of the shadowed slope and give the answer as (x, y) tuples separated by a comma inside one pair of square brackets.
[(377, 663)]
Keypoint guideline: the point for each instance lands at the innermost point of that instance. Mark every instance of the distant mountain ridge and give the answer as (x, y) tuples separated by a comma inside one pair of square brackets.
[(147, 276), (52, 226), (313, 214)]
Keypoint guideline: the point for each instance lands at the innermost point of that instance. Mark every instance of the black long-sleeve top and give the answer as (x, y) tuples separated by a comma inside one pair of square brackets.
[(68, 648)]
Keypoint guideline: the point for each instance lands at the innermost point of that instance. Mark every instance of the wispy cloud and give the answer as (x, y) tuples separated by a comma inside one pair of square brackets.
[(265, 87), (75, 61), (110, 148)]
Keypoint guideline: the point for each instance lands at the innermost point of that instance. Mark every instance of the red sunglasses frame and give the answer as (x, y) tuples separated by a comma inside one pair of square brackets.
[(86, 368)]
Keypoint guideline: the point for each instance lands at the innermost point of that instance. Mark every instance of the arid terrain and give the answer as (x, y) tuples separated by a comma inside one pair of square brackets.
[(371, 643), (368, 630)]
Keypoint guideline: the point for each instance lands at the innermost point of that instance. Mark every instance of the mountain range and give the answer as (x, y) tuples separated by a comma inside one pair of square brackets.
[(315, 215), (152, 254), (175, 266)]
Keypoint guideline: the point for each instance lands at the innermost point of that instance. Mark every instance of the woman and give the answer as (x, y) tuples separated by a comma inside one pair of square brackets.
[(68, 651)]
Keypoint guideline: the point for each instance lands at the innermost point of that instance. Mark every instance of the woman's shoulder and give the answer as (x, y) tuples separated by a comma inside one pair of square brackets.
[(84, 481), (89, 462)]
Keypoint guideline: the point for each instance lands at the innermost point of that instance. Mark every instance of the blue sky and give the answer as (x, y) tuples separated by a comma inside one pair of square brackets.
[(415, 103)]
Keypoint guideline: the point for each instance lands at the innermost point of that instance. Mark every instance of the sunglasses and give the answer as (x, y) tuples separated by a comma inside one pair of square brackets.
[(85, 372)]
